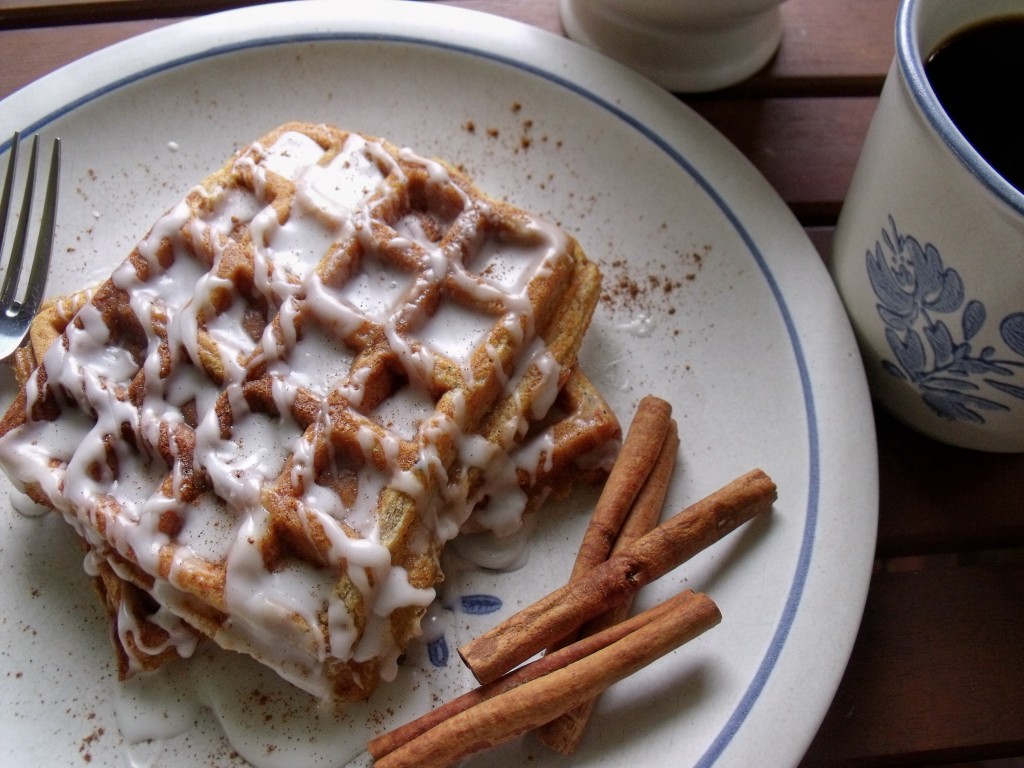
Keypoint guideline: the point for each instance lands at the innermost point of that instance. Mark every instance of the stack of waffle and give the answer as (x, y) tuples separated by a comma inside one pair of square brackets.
[(323, 364)]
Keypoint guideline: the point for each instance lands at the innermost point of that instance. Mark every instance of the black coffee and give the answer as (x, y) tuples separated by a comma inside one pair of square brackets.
[(978, 76)]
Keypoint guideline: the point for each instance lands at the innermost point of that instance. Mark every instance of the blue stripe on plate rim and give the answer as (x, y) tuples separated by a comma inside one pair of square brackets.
[(765, 668)]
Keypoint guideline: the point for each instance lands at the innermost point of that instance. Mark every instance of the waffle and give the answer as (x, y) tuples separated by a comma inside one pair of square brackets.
[(327, 360)]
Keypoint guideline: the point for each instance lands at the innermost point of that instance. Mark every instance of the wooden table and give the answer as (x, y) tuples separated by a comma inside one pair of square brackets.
[(937, 672)]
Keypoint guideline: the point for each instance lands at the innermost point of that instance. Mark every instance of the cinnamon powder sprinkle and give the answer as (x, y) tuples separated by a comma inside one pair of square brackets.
[(626, 290)]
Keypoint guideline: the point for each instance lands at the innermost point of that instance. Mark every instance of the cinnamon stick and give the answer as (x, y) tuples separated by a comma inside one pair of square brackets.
[(564, 733), (612, 582), (644, 443), (638, 455), (647, 509), (392, 740), (524, 707)]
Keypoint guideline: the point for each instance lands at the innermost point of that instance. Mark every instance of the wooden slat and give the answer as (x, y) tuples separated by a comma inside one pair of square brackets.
[(806, 147), (542, 14), (817, 55), (28, 54), (821, 54), (816, 52), (936, 675), (821, 238), (937, 498), (15, 14)]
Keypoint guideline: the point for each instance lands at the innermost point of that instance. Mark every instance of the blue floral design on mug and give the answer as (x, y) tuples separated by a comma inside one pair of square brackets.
[(924, 307)]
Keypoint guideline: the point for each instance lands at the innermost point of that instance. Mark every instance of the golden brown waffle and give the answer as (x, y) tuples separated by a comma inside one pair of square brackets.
[(297, 388)]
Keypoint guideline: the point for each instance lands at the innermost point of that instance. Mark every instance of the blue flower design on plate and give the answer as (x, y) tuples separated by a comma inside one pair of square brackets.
[(476, 605), (918, 299), (438, 652)]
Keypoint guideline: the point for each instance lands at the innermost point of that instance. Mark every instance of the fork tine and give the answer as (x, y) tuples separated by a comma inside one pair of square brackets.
[(5, 196), (10, 285), (44, 246), (16, 315)]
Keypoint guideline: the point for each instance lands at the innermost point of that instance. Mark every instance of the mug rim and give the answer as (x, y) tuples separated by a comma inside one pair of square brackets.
[(911, 63)]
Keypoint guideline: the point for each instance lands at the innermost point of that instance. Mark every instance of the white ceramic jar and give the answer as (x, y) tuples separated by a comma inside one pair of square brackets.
[(683, 45)]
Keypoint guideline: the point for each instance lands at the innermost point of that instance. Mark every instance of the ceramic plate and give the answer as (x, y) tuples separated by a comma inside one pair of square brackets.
[(715, 300)]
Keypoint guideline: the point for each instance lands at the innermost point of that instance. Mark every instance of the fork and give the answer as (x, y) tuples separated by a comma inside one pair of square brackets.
[(16, 313)]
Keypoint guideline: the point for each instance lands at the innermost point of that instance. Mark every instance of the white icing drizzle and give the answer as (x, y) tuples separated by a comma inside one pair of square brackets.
[(288, 614), (178, 637)]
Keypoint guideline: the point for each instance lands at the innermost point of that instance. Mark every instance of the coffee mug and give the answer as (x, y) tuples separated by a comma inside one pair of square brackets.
[(683, 45), (928, 254)]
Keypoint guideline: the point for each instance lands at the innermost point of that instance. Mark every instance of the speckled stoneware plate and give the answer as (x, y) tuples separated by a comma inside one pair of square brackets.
[(715, 300)]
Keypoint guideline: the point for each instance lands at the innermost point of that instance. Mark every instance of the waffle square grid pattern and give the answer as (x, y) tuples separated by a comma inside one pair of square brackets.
[(313, 372)]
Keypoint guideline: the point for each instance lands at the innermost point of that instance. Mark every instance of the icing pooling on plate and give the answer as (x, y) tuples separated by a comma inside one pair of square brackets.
[(323, 272)]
